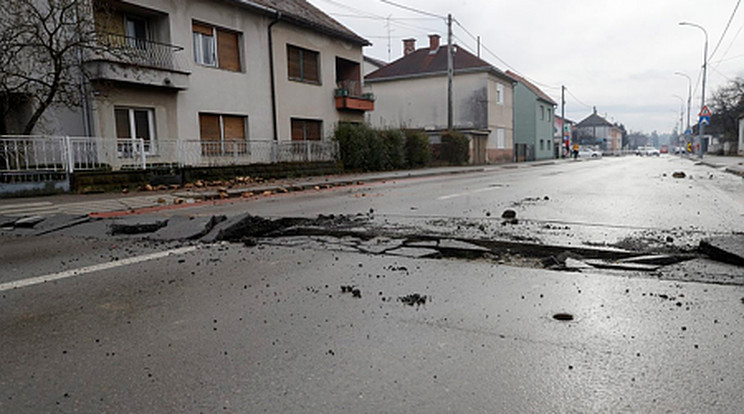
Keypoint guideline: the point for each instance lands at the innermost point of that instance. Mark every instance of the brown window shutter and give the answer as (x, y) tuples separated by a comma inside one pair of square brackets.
[(228, 50), (234, 133), (310, 66), (202, 28), (313, 130), (298, 130), (122, 123), (209, 132), (293, 62)]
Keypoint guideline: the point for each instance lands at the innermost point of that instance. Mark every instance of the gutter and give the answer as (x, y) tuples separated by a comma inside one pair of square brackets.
[(271, 74)]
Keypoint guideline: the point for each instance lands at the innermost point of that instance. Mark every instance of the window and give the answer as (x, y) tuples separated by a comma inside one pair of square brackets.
[(542, 145), (542, 113), (136, 31), (132, 124), (216, 47), (500, 138), (302, 64), (500, 94), (550, 116), (306, 130), (222, 134)]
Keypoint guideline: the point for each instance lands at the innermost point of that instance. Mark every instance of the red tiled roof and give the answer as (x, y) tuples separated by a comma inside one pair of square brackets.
[(540, 94), (423, 62)]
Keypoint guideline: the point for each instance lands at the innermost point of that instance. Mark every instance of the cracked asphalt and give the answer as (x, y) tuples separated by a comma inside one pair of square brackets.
[(409, 295)]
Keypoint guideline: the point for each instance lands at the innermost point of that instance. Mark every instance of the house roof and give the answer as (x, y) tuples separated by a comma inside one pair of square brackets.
[(594, 120), (377, 62), (302, 13), (423, 62), (540, 94)]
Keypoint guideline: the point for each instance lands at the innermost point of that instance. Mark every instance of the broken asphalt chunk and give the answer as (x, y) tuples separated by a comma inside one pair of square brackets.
[(601, 264), (726, 249), (679, 174), (136, 225), (414, 299), (187, 228), (28, 222), (509, 214)]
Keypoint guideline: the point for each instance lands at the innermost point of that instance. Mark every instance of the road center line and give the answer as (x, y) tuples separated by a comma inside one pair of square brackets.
[(480, 190), (17, 284)]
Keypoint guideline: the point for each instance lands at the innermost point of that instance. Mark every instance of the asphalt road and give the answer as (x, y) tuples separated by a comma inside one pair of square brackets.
[(233, 327)]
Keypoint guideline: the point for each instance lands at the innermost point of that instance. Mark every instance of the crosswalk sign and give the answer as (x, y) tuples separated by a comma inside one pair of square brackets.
[(705, 112)]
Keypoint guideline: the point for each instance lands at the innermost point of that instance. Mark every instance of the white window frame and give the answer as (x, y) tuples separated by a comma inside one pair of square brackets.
[(199, 41), (499, 94), (150, 145), (500, 138)]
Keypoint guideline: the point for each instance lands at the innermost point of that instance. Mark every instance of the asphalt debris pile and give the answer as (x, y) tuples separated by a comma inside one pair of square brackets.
[(414, 299), (679, 174), (355, 292)]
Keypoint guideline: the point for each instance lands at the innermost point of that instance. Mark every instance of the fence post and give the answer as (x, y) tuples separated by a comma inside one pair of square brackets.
[(142, 153), (274, 151), (70, 156), (308, 144)]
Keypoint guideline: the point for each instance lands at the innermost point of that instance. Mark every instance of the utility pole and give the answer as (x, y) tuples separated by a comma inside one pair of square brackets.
[(450, 72), (563, 115), (478, 47), (701, 130), (387, 26)]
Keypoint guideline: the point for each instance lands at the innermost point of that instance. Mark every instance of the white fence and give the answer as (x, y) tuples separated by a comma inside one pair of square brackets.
[(69, 154)]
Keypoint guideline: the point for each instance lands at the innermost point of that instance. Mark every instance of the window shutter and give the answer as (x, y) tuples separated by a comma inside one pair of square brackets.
[(209, 132), (122, 123), (228, 50), (298, 130), (293, 62), (202, 28), (313, 130), (234, 133), (310, 66)]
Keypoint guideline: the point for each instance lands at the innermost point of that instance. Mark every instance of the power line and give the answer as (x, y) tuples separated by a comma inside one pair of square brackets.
[(382, 18), (736, 36), (411, 9), (738, 2), (577, 99)]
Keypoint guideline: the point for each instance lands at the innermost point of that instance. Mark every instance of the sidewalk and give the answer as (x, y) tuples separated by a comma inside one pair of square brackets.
[(83, 204), (733, 165)]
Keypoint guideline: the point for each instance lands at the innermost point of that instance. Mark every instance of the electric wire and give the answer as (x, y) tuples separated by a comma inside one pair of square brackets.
[(725, 30)]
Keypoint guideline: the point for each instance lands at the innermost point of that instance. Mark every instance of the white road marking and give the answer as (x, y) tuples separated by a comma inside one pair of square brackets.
[(480, 190), (17, 284)]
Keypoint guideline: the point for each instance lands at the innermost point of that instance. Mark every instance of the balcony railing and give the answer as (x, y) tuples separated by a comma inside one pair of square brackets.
[(140, 52)]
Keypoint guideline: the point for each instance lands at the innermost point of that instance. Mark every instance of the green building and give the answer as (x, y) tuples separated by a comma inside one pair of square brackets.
[(533, 121)]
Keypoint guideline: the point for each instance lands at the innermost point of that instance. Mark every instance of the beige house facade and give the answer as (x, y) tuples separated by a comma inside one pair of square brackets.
[(412, 93), (213, 77)]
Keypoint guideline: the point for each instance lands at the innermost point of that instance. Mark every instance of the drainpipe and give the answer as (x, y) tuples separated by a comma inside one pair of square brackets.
[(271, 70)]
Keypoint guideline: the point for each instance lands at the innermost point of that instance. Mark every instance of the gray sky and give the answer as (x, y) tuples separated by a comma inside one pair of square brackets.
[(619, 56)]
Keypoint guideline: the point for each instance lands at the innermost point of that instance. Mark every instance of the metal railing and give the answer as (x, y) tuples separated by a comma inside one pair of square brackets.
[(69, 154), (140, 52)]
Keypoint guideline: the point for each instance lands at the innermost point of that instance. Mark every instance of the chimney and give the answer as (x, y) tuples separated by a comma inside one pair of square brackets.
[(433, 42), (409, 46), (595, 110)]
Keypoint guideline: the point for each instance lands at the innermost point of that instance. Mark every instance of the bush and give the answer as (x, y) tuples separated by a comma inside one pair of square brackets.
[(418, 150), (394, 152), (355, 145), (455, 148)]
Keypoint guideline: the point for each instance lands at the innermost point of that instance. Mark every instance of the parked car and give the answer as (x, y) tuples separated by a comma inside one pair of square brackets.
[(586, 152)]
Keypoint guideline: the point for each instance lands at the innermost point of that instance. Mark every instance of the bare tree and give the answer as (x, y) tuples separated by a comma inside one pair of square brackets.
[(43, 44), (728, 104)]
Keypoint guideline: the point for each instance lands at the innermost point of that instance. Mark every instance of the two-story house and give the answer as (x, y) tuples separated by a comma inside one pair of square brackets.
[(411, 92), (204, 79), (533, 121), (598, 132)]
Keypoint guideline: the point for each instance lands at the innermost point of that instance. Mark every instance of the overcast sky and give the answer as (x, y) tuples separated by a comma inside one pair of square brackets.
[(619, 56)]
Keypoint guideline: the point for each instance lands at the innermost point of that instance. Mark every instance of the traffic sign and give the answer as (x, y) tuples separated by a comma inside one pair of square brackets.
[(705, 120), (688, 132), (705, 112)]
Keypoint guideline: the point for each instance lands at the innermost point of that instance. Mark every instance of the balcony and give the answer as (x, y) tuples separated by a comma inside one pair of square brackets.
[(349, 98), (141, 61)]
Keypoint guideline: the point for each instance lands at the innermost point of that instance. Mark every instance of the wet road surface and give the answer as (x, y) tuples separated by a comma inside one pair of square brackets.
[(274, 325)]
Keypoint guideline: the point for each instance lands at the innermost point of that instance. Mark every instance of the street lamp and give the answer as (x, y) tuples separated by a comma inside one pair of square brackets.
[(689, 96), (701, 126)]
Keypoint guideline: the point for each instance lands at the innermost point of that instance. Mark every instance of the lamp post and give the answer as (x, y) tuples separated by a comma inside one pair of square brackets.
[(701, 126), (681, 119), (689, 96)]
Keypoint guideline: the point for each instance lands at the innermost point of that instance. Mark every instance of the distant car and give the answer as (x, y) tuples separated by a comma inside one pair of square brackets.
[(647, 151), (585, 152), (680, 150)]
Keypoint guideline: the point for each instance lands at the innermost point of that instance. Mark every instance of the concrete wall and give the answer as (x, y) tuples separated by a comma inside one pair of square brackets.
[(500, 117)]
